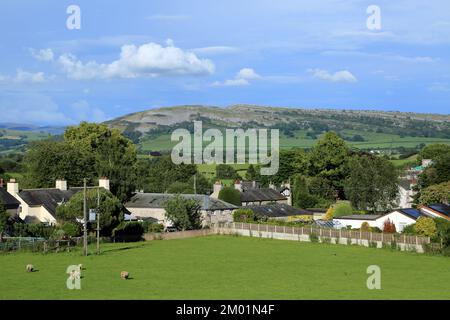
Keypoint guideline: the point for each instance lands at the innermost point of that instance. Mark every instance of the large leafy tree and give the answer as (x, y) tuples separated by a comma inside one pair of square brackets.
[(184, 213), (230, 195), (328, 159), (110, 209), (4, 217), (158, 174), (438, 193), (433, 151), (372, 183), (114, 155), (49, 160), (87, 151)]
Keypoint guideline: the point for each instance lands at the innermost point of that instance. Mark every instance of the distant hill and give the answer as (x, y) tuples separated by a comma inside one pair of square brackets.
[(299, 127)]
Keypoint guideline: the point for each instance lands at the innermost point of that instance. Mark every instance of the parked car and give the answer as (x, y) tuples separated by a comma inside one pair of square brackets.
[(171, 229)]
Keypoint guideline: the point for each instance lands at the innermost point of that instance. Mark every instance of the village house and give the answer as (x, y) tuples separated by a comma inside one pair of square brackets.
[(253, 195), (150, 206), (39, 205), (10, 203)]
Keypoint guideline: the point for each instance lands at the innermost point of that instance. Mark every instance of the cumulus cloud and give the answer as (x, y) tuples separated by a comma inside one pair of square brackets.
[(24, 76), (43, 54), (242, 78), (147, 60), (339, 76)]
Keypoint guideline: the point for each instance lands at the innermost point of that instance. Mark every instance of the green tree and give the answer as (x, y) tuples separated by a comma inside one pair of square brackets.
[(225, 171), (438, 193), (49, 160), (230, 195), (4, 217), (372, 183), (425, 226), (110, 210), (184, 213), (251, 174), (180, 187), (433, 151), (114, 155), (329, 160), (301, 197)]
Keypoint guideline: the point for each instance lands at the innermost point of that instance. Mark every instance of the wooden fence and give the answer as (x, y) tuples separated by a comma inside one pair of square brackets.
[(329, 233)]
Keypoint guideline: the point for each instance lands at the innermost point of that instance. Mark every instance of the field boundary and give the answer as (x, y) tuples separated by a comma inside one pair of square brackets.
[(325, 235)]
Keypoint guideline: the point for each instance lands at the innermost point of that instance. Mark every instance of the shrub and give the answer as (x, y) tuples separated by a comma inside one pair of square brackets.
[(329, 214), (425, 226), (409, 229), (71, 229), (342, 209), (325, 240), (389, 226), (128, 231), (365, 227), (230, 195), (152, 227), (313, 237), (244, 215)]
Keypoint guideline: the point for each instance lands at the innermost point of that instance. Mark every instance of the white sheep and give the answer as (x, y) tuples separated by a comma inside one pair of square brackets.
[(30, 268), (124, 275)]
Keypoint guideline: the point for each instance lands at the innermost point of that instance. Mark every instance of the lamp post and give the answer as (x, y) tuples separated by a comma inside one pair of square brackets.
[(98, 220)]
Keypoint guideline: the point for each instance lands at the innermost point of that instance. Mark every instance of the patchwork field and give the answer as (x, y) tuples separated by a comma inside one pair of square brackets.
[(227, 267)]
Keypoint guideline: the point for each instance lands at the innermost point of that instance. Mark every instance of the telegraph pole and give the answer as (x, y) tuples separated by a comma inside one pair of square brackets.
[(98, 220), (85, 219), (195, 183)]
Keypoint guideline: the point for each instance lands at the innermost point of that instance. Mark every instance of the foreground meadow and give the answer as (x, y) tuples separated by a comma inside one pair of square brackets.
[(227, 267)]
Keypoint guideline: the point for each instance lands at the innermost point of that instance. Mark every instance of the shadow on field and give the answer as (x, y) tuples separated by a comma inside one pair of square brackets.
[(130, 247)]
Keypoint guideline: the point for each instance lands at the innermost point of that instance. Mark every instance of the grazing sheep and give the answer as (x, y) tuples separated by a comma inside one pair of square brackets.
[(30, 268), (124, 275)]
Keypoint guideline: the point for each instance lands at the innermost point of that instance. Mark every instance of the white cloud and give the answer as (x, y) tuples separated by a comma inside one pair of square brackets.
[(43, 54), (215, 50), (339, 76), (147, 60), (242, 78), (29, 77)]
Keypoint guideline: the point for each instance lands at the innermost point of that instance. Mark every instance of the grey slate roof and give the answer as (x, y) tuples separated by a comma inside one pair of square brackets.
[(405, 184), (360, 217), (157, 200), (8, 201), (278, 210), (48, 198), (264, 194)]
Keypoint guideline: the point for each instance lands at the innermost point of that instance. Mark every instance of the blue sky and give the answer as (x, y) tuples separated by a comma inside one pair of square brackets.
[(135, 55)]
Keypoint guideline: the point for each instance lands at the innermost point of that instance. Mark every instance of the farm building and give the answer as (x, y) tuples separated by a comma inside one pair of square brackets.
[(10, 203), (151, 206)]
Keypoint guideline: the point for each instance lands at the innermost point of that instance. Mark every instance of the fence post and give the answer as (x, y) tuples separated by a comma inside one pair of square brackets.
[(301, 228), (293, 232), (284, 229), (267, 228)]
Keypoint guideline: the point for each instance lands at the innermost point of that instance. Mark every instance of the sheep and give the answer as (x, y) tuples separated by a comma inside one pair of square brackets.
[(124, 275), (30, 268)]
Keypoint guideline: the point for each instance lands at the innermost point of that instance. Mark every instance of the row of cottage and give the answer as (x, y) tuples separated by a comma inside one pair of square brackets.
[(39, 205)]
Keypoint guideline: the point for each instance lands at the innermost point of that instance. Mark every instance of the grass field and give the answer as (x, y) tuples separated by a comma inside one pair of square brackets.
[(373, 140), (227, 267)]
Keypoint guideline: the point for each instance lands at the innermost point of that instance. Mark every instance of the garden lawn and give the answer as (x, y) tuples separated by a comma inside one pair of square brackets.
[(227, 267)]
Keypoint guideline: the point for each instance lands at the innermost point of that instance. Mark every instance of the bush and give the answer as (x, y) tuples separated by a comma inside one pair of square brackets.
[(365, 227), (128, 231), (313, 237), (244, 215), (389, 227), (409, 229), (425, 226), (71, 229), (342, 209), (230, 195), (152, 227)]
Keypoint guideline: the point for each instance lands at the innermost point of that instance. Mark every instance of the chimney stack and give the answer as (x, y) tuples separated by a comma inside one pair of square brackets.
[(12, 187), (61, 184), (103, 182), (238, 185), (217, 187)]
